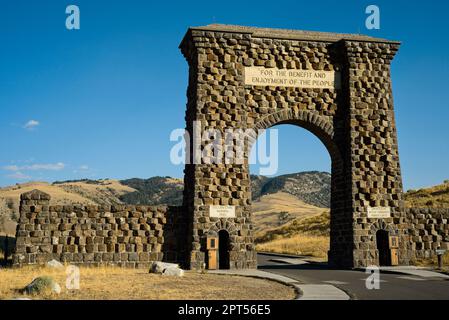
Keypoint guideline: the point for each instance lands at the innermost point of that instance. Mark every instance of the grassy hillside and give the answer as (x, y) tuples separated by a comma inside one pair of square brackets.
[(436, 196), (284, 224), (302, 236), (153, 191), (101, 192), (76, 192), (316, 225), (278, 209)]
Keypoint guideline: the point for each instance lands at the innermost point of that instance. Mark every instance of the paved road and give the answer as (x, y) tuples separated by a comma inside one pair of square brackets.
[(392, 286)]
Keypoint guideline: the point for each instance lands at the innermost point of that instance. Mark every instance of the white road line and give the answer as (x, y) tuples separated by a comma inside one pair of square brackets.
[(415, 271), (289, 261), (364, 279), (335, 282), (412, 278)]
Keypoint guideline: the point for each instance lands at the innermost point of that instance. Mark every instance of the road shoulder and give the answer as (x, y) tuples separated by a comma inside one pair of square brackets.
[(304, 291)]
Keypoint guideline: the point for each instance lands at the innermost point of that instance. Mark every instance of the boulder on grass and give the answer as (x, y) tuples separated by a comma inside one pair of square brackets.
[(55, 264), (159, 267), (41, 285), (168, 269), (173, 271)]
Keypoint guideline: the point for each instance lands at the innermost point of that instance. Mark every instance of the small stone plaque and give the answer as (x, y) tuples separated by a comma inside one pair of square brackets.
[(296, 78), (379, 212), (222, 211)]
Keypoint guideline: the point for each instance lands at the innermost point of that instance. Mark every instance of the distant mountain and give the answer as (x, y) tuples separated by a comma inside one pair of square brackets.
[(311, 187), (154, 191)]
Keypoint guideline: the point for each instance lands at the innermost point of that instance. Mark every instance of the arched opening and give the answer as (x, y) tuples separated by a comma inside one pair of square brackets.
[(223, 249), (291, 211), (383, 246)]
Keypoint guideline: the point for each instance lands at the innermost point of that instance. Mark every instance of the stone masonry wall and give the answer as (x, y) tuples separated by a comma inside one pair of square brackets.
[(428, 230), (129, 236)]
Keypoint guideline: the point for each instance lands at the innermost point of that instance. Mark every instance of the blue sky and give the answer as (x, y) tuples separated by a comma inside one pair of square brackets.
[(105, 98)]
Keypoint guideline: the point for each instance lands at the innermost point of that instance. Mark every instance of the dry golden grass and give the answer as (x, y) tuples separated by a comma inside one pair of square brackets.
[(267, 209), (103, 192), (67, 193), (8, 227), (317, 225), (308, 245), (433, 262), (303, 236), (174, 181), (57, 193), (111, 283), (436, 196)]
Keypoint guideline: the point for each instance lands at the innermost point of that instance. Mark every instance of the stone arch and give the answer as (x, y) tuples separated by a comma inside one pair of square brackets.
[(252, 78), (319, 125), (391, 228), (223, 224)]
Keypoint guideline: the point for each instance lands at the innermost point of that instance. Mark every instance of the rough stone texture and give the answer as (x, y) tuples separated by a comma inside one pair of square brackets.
[(356, 124), (129, 236), (42, 284), (427, 230)]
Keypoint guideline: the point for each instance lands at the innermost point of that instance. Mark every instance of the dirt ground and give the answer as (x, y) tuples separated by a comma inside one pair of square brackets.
[(109, 283)]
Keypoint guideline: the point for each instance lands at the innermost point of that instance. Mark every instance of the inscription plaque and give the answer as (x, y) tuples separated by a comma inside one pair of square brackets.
[(379, 212), (222, 211), (296, 78)]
